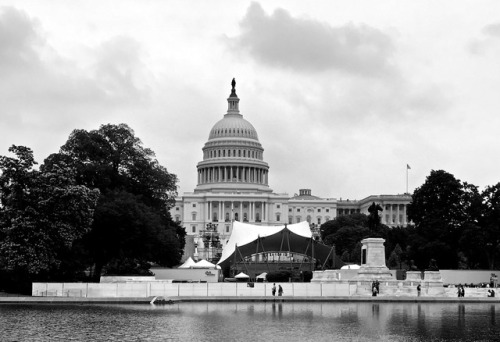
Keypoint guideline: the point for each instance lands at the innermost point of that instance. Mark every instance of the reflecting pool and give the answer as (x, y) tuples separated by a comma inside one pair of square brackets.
[(251, 321)]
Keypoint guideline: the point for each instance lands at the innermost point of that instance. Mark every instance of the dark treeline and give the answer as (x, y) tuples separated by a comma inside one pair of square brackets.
[(98, 206), (453, 223)]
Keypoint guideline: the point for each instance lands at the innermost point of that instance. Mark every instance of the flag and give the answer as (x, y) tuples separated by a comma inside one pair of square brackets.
[(408, 167)]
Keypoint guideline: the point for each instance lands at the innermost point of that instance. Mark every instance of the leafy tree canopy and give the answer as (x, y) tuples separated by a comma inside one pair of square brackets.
[(132, 221), (42, 213)]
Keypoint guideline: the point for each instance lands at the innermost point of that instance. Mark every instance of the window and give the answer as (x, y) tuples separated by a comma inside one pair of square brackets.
[(290, 219), (245, 218), (193, 229), (319, 210), (227, 217), (319, 220), (227, 229), (194, 205), (236, 217), (289, 210), (177, 218), (176, 208), (193, 216), (278, 206), (327, 210), (257, 217), (214, 218), (278, 218), (298, 210), (298, 219)]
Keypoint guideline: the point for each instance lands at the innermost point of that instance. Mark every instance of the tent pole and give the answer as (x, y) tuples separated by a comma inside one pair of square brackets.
[(281, 247), (234, 265), (256, 254), (244, 262), (267, 259), (326, 259), (312, 259), (289, 250), (305, 253)]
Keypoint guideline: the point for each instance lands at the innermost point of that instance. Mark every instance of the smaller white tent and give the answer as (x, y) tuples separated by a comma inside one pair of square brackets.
[(188, 263), (241, 275), (262, 276), (204, 264), (350, 267)]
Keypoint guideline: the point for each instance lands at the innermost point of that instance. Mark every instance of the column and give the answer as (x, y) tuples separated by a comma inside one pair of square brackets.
[(241, 212), (405, 219)]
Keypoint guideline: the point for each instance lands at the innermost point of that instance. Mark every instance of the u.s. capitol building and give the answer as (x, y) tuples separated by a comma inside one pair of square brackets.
[(233, 185)]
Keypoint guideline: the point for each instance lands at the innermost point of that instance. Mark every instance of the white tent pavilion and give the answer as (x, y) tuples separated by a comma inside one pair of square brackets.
[(188, 263), (247, 239), (204, 264)]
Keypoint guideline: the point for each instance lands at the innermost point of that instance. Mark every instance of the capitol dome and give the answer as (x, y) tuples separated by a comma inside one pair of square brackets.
[(233, 125), (233, 156)]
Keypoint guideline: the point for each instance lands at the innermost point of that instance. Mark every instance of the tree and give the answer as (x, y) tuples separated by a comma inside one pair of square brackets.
[(440, 208), (42, 213), (490, 223), (331, 227), (132, 220)]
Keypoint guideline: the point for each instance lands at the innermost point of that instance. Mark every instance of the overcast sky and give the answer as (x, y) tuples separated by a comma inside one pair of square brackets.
[(343, 94)]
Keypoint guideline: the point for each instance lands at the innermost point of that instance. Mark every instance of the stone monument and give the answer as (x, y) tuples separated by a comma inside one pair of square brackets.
[(373, 261)]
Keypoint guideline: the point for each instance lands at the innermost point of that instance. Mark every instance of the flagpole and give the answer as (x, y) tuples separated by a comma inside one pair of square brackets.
[(406, 178)]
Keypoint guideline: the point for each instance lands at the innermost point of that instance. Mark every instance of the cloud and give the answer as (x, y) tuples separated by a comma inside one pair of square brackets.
[(304, 44), (490, 35), (18, 41), (45, 92), (492, 30)]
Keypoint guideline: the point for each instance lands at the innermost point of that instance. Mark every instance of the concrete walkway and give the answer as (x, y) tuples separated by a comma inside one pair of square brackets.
[(142, 300)]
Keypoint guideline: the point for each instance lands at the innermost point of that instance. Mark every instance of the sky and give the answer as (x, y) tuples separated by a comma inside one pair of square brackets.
[(343, 94)]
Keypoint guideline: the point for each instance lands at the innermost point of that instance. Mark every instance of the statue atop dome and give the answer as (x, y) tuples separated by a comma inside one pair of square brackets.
[(233, 89)]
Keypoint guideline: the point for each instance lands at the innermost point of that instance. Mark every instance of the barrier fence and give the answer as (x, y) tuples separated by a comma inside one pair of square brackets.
[(167, 290)]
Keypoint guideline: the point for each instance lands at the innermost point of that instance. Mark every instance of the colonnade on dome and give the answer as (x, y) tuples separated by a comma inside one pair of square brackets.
[(222, 174)]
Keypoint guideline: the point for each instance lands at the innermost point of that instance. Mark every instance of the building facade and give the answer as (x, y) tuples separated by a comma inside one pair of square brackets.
[(232, 184)]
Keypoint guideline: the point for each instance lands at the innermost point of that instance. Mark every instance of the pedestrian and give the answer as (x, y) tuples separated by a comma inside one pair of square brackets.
[(273, 291), (418, 290), (280, 290), (462, 289)]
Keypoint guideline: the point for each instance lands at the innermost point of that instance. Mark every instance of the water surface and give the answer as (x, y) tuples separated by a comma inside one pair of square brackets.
[(251, 321)]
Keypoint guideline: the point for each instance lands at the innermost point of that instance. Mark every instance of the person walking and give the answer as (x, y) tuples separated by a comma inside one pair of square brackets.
[(418, 290), (280, 290), (273, 290)]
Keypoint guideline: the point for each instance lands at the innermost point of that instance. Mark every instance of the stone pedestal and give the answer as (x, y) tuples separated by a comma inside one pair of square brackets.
[(325, 276), (373, 261), (433, 276), (413, 276)]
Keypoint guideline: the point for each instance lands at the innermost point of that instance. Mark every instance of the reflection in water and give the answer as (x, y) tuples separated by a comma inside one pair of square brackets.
[(283, 321)]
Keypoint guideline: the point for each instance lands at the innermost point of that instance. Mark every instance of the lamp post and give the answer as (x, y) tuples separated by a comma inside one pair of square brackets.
[(211, 242)]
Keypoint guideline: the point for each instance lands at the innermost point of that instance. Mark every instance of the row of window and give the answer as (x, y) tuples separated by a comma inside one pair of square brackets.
[(245, 132), (308, 219), (298, 210), (234, 153), (215, 217)]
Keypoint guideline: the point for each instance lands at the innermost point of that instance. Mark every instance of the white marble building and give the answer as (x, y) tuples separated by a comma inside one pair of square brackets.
[(233, 185)]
